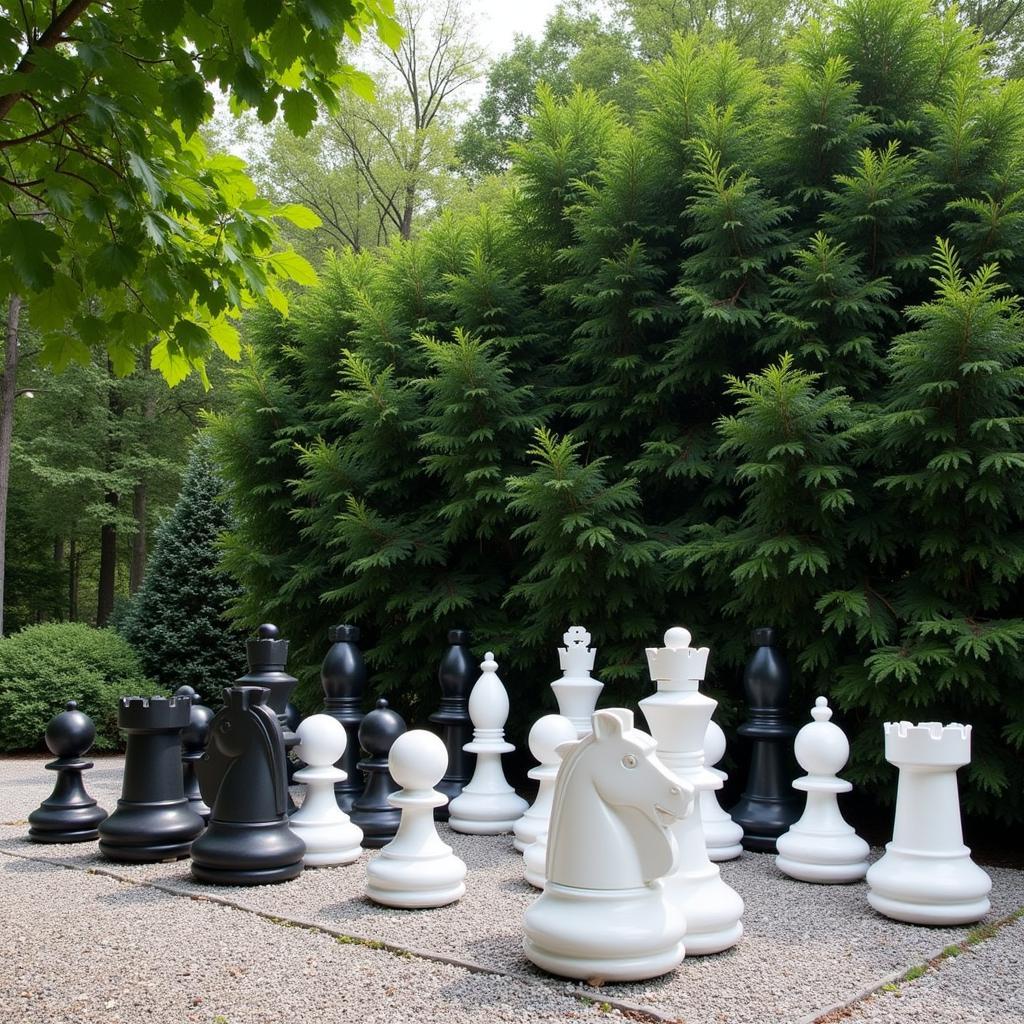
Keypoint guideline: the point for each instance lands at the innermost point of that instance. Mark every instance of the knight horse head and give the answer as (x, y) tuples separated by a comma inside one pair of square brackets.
[(613, 807), (245, 739)]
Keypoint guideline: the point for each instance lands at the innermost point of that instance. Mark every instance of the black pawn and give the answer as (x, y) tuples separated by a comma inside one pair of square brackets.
[(458, 671), (769, 804), (244, 778), (267, 655), (343, 677), (153, 820), (69, 814), (193, 743), (371, 811)]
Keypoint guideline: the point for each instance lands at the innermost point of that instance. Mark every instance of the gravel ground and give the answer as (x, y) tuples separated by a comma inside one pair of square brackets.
[(806, 947), (80, 949), (985, 985)]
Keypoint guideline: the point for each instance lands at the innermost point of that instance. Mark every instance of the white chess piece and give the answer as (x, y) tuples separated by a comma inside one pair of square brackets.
[(487, 805), (821, 846), (678, 716), (547, 734), (576, 692), (926, 875), (416, 869), (329, 835), (721, 834), (535, 858), (603, 912)]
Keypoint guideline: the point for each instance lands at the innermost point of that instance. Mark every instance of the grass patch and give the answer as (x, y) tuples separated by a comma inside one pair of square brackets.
[(915, 972)]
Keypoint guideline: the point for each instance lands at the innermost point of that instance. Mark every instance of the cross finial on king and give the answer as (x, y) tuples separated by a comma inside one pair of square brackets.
[(677, 665), (576, 657)]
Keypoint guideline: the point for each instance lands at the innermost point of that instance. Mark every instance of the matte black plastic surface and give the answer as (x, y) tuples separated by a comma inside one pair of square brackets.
[(457, 673), (68, 814), (371, 811), (243, 777), (343, 677), (193, 743), (153, 820), (769, 804)]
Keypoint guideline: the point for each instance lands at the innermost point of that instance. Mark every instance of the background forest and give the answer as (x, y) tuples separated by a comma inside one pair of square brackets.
[(676, 314)]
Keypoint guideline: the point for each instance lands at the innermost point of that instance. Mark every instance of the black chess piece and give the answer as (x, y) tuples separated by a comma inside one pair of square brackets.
[(193, 743), (153, 820), (769, 804), (243, 777), (68, 814), (457, 673), (267, 655), (371, 811), (343, 677)]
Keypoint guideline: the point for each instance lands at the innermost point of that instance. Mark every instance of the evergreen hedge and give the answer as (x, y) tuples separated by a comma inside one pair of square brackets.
[(754, 358), (177, 621)]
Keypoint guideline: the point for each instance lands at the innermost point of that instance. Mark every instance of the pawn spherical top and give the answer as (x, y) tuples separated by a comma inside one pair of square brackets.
[(547, 734), (418, 760), (821, 747), (322, 741), (722, 836), (71, 733), (714, 743), (379, 729), (268, 631)]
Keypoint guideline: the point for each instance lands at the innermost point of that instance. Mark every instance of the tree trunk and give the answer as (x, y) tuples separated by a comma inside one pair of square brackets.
[(73, 562), (138, 566), (108, 562), (8, 392), (407, 212)]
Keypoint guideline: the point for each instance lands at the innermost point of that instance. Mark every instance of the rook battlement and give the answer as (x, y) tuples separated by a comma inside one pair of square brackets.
[(928, 743)]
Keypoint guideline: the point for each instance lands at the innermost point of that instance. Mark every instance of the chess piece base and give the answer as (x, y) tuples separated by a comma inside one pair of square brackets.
[(397, 881), (328, 845), (612, 934), (535, 861), (230, 853), (711, 908), (828, 859), (65, 824), (486, 814), (168, 832), (927, 889)]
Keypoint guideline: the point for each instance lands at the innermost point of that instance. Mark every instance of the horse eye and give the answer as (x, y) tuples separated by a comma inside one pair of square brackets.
[(629, 761)]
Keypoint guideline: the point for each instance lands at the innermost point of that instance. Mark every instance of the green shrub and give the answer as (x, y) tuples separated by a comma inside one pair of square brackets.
[(176, 622), (754, 358), (43, 667)]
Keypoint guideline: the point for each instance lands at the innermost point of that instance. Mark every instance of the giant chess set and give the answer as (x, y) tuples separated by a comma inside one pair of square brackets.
[(622, 841)]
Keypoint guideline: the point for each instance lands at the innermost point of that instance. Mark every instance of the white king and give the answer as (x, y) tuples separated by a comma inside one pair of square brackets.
[(577, 692)]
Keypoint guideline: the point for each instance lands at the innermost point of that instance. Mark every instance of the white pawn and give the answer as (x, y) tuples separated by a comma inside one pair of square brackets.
[(721, 834), (545, 736), (329, 835), (821, 846), (416, 869), (577, 692), (487, 805), (926, 875)]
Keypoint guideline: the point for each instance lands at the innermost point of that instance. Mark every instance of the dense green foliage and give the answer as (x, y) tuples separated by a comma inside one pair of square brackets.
[(754, 357), (117, 224), (176, 622), (43, 667)]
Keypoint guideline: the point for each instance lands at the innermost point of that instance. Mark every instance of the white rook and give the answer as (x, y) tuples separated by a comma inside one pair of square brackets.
[(926, 875)]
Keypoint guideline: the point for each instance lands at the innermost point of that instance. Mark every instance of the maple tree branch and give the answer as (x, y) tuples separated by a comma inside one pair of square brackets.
[(51, 37)]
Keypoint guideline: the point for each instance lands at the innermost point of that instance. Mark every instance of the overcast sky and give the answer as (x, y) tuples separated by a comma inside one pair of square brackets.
[(499, 20)]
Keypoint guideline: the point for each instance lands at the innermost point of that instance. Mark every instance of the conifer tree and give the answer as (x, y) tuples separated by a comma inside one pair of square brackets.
[(177, 620)]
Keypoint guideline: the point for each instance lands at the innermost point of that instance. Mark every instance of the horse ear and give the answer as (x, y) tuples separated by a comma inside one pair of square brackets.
[(612, 722), (562, 750)]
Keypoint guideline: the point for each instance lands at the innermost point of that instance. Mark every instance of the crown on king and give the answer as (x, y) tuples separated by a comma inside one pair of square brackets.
[(576, 657), (677, 663)]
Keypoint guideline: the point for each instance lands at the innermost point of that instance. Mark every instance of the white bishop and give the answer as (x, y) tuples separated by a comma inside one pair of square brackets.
[(487, 805)]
